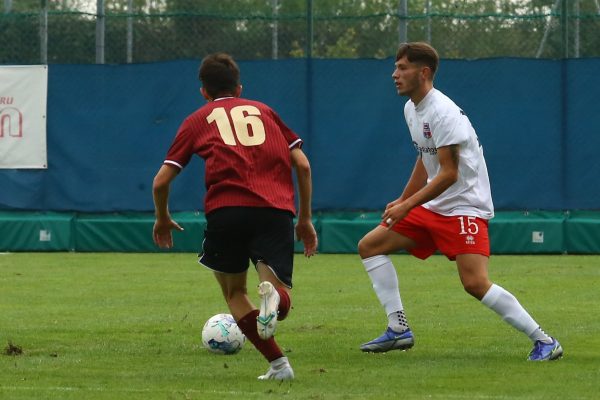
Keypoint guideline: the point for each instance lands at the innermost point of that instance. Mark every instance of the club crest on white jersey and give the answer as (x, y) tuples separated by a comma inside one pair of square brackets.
[(426, 130)]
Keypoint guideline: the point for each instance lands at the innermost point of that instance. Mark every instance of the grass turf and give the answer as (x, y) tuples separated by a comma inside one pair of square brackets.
[(127, 326)]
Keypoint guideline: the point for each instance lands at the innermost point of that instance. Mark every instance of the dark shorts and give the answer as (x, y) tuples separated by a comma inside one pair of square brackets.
[(235, 236)]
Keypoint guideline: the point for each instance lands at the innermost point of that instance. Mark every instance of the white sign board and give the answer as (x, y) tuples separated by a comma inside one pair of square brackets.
[(23, 98)]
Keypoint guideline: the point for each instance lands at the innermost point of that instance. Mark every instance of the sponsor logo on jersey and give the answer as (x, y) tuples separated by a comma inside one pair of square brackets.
[(425, 149), (469, 240), (426, 130)]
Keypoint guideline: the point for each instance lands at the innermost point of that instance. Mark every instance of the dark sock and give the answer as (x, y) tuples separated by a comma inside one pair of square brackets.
[(284, 304), (268, 348)]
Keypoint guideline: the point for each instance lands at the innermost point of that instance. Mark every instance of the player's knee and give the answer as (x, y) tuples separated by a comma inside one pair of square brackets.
[(364, 249)]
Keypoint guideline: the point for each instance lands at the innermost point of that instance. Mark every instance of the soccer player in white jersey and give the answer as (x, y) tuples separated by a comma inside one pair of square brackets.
[(444, 207)]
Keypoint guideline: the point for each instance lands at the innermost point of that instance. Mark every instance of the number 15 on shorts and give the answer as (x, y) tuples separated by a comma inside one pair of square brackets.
[(468, 225)]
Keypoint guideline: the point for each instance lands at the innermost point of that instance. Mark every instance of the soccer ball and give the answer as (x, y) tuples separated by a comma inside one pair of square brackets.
[(221, 335)]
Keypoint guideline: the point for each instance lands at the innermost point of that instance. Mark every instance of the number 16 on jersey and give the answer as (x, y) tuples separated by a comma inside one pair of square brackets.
[(245, 119)]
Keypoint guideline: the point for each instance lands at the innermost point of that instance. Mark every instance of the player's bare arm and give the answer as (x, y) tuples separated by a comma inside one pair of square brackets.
[(305, 231), (447, 176), (160, 193), (417, 180)]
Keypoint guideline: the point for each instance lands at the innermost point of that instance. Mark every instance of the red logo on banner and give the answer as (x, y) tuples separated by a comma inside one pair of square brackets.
[(11, 121)]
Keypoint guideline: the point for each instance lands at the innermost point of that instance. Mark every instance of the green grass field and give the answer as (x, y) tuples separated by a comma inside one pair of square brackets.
[(127, 326)]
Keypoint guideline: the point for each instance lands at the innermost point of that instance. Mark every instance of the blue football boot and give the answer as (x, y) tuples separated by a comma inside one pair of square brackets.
[(390, 340), (546, 351)]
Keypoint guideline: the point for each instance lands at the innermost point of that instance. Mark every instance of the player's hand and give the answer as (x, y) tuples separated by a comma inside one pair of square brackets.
[(394, 213), (305, 232), (161, 233), (392, 204)]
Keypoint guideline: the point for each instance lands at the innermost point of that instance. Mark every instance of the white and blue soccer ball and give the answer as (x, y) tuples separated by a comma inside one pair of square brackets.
[(221, 335)]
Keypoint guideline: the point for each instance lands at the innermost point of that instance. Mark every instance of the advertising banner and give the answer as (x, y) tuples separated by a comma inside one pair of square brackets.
[(23, 97)]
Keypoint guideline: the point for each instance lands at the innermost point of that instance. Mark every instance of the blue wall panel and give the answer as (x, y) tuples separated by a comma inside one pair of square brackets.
[(109, 128), (582, 134), (515, 107), (361, 153)]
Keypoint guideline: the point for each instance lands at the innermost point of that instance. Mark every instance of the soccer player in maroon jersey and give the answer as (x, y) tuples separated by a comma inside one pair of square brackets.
[(249, 154)]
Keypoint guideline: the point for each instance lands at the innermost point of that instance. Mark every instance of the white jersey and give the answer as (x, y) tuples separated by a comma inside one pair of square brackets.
[(436, 122)]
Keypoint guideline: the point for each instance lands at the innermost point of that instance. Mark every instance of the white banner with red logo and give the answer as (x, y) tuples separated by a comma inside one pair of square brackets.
[(23, 96)]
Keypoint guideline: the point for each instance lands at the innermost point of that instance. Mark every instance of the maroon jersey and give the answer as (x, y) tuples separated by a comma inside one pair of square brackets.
[(246, 149)]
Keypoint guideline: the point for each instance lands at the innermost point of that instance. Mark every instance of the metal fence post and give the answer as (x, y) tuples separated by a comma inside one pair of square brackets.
[(275, 31), (7, 6), (403, 23), (546, 31), (309, 28), (428, 12), (564, 23), (100, 29), (129, 31), (44, 32), (577, 13)]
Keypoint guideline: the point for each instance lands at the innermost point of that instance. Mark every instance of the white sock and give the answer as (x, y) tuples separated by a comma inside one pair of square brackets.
[(508, 307), (279, 362), (385, 283), (397, 321)]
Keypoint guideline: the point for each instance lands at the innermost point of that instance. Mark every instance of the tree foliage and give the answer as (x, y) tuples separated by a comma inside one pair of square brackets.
[(261, 29)]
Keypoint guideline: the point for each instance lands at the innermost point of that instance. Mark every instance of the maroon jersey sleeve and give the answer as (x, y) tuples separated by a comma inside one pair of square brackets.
[(292, 139), (182, 148)]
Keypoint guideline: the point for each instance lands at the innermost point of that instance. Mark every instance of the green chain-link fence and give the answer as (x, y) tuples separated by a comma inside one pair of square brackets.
[(122, 31)]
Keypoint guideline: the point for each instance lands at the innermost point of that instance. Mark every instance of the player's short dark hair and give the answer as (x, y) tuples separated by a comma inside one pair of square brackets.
[(419, 53), (219, 74)]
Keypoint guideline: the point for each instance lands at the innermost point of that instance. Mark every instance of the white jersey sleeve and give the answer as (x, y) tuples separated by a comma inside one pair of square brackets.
[(447, 129)]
